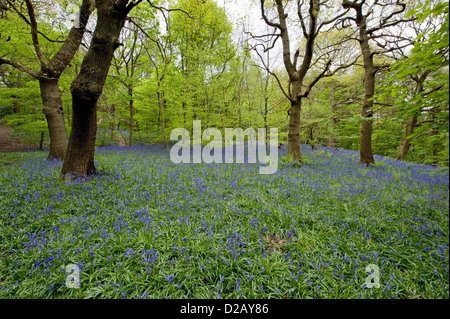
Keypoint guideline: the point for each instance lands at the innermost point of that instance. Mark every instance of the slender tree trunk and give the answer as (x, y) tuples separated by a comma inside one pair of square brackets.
[(41, 142), (51, 98), (87, 87), (130, 93), (404, 147), (239, 115), (113, 122), (365, 150), (411, 122), (331, 140), (311, 137), (185, 114), (266, 104), (163, 122), (435, 132)]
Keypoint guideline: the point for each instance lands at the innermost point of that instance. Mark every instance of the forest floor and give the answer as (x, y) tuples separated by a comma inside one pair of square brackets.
[(145, 227), (9, 143)]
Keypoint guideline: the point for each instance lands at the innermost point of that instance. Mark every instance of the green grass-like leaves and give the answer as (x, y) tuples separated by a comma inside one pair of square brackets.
[(147, 228)]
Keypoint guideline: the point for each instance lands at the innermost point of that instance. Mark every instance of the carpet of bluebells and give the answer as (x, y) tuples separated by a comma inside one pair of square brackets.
[(147, 228)]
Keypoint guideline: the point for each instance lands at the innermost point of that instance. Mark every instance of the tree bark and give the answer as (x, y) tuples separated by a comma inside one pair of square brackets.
[(88, 86), (41, 142), (331, 139), (162, 119), (296, 76), (131, 109), (412, 121), (365, 148), (49, 75), (294, 131), (404, 147), (51, 99)]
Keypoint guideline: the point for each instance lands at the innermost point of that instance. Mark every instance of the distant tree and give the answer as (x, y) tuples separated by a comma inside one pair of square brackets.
[(325, 60), (373, 20)]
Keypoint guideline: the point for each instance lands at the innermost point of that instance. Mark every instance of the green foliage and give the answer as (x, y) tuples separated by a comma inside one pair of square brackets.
[(419, 86), (30, 121)]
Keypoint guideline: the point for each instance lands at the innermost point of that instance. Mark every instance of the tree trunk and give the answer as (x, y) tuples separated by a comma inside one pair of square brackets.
[(51, 98), (411, 122), (435, 132), (130, 93), (87, 87), (41, 142), (163, 124), (404, 147), (266, 111), (113, 122), (311, 137), (331, 140), (294, 131), (365, 150)]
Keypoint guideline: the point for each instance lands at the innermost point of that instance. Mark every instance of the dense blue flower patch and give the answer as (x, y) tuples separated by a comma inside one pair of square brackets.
[(147, 228)]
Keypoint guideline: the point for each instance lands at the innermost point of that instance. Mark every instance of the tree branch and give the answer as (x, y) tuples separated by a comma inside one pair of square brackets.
[(266, 68), (266, 20), (34, 33), (169, 10), (20, 67), (62, 58), (24, 18), (324, 74)]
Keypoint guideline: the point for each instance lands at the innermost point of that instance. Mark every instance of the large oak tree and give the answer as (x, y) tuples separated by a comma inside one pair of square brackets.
[(88, 85)]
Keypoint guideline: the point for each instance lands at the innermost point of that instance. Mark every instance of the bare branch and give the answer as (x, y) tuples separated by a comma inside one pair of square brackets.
[(34, 33), (324, 74), (296, 54), (168, 10), (62, 58), (266, 20), (266, 68), (300, 16), (324, 23), (149, 37), (390, 50), (131, 5), (391, 24), (20, 67), (24, 18)]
